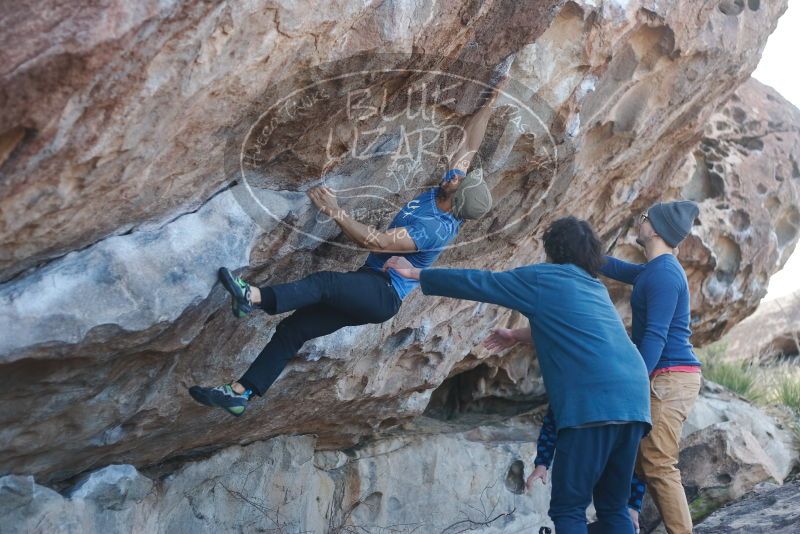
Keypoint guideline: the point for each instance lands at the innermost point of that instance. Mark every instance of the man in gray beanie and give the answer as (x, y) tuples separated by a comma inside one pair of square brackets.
[(326, 301), (661, 318)]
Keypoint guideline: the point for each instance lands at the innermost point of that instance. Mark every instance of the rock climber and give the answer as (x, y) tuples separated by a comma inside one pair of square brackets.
[(326, 301)]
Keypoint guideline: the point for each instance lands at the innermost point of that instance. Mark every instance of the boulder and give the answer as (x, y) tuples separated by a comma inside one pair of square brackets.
[(124, 187), (746, 223), (446, 472), (721, 463), (777, 322), (729, 447), (770, 509), (111, 486), (25, 506), (773, 434), (434, 477)]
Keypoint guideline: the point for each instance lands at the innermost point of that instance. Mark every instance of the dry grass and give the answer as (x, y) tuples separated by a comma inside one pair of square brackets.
[(770, 384), (738, 376), (782, 385)]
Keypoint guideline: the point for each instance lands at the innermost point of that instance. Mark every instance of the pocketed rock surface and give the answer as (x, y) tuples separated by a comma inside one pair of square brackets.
[(118, 204)]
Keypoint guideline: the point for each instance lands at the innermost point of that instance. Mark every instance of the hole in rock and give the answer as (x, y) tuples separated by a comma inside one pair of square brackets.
[(482, 390), (724, 478), (703, 183), (515, 477), (729, 258), (399, 339), (731, 7), (750, 143), (388, 423), (754, 4), (761, 188), (740, 220), (708, 145), (650, 43), (772, 203), (786, 227)]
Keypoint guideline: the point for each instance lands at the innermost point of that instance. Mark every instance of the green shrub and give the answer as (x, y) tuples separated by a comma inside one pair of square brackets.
[(738, 376), (769, 384), (787, 391)]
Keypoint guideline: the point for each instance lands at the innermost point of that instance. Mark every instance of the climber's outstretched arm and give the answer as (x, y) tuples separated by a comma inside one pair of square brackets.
[(396, 240), (474, 131), (475, 128)]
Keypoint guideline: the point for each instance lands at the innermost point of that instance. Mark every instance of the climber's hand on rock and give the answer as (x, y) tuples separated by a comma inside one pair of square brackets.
[(539, 473), (402, 266), (324, 199), (500, 339)]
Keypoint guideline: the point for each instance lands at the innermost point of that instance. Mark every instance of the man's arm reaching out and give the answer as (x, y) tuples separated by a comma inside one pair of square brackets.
[(622, 271), (395, 240), (514, 289)]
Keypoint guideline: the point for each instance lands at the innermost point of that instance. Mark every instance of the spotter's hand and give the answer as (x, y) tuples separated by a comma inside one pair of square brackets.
[(403, 267), (539, 473), (500, 339)]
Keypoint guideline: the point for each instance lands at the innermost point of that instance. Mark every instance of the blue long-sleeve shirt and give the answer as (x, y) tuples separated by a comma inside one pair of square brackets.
[(661, 309), (546, 448), (591, 369)]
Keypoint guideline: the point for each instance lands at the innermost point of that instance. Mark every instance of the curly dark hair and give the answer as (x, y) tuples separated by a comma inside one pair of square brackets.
[(572, 240)]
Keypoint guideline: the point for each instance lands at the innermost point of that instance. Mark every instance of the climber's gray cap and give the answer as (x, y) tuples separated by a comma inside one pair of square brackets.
[(672, 221), (473, 199)]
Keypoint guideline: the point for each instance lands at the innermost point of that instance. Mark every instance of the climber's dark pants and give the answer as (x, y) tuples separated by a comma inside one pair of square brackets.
[(594, 462), (324, 302)]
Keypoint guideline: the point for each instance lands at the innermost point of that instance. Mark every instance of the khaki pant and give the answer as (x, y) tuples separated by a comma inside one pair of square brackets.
[(672, 396)]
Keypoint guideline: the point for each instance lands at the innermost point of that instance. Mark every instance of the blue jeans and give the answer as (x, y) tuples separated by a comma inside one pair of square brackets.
[(594, 462), (323, 302)]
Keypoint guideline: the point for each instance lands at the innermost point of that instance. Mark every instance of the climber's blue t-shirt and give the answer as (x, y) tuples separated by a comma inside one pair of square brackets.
[(430, 228)]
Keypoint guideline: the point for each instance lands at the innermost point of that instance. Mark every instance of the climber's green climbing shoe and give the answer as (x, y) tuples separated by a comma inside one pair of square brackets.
[(239, 290), (221, 397)]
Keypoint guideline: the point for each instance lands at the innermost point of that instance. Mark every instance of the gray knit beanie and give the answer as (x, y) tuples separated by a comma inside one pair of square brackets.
[(473, 199), (673, 221)]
